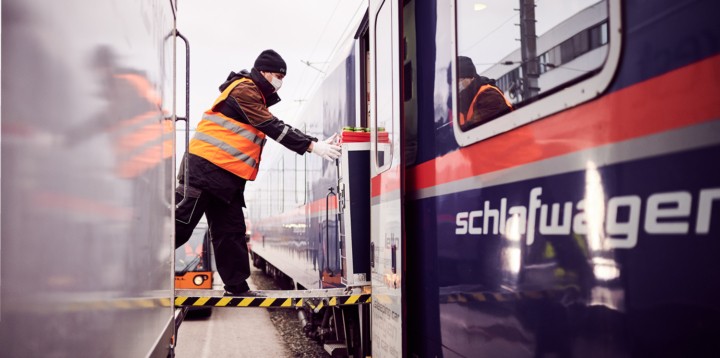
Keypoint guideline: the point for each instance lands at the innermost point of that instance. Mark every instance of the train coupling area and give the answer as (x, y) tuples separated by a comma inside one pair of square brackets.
[(313, 299)]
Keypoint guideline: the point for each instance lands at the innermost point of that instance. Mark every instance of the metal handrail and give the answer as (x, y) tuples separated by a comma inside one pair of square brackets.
[(185, 166)]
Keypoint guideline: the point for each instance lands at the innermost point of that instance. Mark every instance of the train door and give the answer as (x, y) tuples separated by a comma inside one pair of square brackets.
[(387, 173)]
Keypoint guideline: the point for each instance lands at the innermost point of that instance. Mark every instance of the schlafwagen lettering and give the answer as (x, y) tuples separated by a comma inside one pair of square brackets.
[(616, 221)]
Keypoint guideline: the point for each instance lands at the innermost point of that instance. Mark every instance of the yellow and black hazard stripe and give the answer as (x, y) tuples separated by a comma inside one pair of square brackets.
[(272, 302), (339, 301), (81, 304)]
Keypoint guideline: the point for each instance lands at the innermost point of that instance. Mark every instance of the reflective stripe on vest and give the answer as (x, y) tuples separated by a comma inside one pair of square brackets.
[(480, 91), (141, 142), (227, 142), (141, 147)]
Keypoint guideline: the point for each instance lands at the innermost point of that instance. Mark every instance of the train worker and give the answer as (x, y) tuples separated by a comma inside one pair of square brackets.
[(479, 99), (225, 153)]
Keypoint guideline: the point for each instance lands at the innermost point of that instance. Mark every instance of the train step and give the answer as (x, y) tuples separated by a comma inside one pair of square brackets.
[(314, 299)]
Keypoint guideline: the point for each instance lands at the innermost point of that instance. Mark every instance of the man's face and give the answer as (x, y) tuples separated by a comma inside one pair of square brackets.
[(270, 75), (274, 78)]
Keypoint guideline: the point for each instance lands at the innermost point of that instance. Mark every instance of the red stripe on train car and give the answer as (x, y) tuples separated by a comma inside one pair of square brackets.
[(628, 113), (320, 205), (294, 215), (385, 182)]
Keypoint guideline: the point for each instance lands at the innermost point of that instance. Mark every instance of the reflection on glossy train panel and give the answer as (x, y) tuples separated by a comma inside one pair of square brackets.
[(87, 146)]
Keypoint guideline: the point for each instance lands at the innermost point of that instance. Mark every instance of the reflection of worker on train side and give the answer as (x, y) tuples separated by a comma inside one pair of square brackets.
[(225, 153), (142, 140), (479, 100), (133, 117)]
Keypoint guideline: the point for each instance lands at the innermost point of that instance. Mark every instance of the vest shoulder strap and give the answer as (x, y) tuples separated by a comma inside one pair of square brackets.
[(486, 87), (229, 89)]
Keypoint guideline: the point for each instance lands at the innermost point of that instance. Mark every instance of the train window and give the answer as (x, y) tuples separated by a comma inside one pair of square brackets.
[(521, 60), (366, 114), (383, 86), (363, 36)]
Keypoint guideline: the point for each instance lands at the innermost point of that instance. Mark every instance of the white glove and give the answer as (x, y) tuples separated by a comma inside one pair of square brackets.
[(326, 149)]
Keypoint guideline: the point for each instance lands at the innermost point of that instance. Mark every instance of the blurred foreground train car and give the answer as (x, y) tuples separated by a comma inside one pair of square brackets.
[(583, 223), (87, 178)]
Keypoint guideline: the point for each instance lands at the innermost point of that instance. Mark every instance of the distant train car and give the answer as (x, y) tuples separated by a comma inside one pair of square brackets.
[(582, 221), (194, 261), (87, 178), (195, 265)]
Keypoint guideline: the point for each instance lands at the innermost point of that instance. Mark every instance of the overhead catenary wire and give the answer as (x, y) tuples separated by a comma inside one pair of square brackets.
[(490, 33), (330, 55), (317, 41), (294, 113)]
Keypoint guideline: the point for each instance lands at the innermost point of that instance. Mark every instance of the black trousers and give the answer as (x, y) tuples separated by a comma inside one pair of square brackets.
[(226, 223)]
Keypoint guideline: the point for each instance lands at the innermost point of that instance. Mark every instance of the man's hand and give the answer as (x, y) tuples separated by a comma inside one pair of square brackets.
[(326, 149)]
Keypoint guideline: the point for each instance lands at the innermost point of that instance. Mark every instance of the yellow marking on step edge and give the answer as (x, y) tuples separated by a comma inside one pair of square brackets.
[(224, 301), (201, 301), (123, 304), (267, 302), (245, 302)]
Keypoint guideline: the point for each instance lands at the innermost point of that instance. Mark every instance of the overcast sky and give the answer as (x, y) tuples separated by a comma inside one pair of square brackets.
[(228, 35)]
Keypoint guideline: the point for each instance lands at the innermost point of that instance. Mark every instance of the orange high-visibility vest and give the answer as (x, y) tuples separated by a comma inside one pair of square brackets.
[(472, 104), (227, 142), (145, 139)]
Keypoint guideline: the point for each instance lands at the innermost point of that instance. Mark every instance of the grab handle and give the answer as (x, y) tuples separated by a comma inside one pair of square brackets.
[(185, 166)]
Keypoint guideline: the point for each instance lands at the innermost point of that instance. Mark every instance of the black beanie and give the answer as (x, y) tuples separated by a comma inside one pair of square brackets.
[(466, 68), (270, 61)]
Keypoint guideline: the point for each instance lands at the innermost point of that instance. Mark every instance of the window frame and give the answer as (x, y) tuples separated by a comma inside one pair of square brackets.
[(389, 126), (556, 101)]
